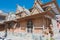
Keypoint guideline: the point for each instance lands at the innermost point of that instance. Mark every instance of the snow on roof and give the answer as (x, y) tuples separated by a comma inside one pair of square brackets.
[(19, 9), (27, 11), (37, 5), (11, 17), (54, 8), (22, 9), (3, 13)]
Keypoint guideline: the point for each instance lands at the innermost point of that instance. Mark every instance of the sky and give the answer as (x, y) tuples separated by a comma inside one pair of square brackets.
[(10, 5)]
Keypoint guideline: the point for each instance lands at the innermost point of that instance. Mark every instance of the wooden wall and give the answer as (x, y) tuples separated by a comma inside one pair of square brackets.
[(37, 25)]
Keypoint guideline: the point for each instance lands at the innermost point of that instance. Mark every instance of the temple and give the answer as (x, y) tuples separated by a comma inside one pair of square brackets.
[(41, 18)]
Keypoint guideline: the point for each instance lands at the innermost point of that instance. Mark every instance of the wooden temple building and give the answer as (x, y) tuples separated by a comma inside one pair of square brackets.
[(36, 20)]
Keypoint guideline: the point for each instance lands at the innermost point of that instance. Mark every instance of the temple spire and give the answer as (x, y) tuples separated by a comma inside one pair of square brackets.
[(38, 1)]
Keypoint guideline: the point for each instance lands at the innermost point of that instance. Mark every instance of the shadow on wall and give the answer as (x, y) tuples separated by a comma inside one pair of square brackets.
[(2, 27)]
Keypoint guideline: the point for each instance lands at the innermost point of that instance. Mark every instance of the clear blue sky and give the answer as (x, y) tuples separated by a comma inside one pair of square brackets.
[(10, 5)]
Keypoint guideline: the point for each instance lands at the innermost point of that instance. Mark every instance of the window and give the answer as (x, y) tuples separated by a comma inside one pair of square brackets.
[(11, 24), (29, 26), (18, 25)]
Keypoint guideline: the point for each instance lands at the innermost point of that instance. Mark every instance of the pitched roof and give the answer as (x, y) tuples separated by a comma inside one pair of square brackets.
[(22, 9), (37, 5), (19, 9)]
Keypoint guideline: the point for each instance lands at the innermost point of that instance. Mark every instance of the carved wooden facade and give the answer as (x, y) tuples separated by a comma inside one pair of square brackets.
[(40, 18)]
